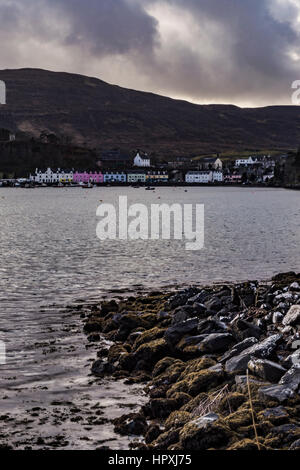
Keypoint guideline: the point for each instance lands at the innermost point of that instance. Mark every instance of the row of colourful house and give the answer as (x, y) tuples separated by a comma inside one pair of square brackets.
[(131, 176), (50, 176)]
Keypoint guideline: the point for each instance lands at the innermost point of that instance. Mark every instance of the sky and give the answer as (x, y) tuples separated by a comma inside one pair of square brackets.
[(243, 52)]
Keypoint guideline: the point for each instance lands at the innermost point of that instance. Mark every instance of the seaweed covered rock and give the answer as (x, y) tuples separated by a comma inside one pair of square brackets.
[(149, 353), (197, 382), (204, 433), (192, 350), (148, 336), (177, 419), (131, 424)]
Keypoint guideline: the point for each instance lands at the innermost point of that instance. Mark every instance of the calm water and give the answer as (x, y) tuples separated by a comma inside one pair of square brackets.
[(51, 257)]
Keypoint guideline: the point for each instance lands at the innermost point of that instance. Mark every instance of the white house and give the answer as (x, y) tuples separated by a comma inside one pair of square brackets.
[(141, 162), (211, 163), (204, 176), (245, 162), (198, 177), (52, 177), (217, 176)]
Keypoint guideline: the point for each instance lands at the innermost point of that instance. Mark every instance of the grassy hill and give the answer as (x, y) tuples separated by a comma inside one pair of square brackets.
[(99, 115)]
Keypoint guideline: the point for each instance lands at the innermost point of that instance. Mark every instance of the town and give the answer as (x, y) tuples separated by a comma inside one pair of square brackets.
[(117, 167)]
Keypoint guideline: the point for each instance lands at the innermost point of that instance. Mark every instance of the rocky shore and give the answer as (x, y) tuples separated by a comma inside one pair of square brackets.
[(220, 364)]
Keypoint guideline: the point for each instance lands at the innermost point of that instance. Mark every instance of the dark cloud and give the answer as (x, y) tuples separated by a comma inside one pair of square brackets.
[(105, 27), (241, 51)]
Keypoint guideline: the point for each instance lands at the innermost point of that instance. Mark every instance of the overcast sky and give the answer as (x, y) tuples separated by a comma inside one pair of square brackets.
[(245, 52)]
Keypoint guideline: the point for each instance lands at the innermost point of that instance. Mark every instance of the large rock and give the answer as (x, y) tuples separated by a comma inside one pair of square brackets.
[(214, 304), (292, 378), (292, 318), (211, 326), (261, 350), (292, 359), (176, 332), (243, 329), (238, 348), (100, 368), (216, 342), (149, 353), (266, 370), (182, 313), (279, 393), (204, 433), (131, 424)]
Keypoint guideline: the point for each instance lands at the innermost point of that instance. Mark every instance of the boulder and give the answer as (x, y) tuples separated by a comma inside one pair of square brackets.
[(211, 325), (292, 359), (150, 353), (197, 382), (182, 314), (132, 424), (198, 298), (100, 368), (214, 304), (295, 445), (261, 350), (176, 332), (204, 433), (216, 342), (279, 393), (266, 370), (276, 415), (242, 382), (177, 419), (238, 348), (243, 329), (161, 407), (292, 318), (292, 378)]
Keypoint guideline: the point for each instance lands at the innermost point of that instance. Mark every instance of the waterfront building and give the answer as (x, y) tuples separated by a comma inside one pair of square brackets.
[(52, 177), (245, 162), (141, 162), (88, 177), (198, 176), (211, 163), (157, 176), (115, 177), (217, 176), (136, 176)]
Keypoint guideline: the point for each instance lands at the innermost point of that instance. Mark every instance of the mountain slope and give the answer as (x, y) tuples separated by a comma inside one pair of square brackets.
[(103, 115)]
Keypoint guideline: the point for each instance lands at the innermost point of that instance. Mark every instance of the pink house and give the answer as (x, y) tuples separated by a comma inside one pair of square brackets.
[(88, 177)]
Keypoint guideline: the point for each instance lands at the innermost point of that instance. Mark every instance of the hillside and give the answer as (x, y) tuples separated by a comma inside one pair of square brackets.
[(100, 115)]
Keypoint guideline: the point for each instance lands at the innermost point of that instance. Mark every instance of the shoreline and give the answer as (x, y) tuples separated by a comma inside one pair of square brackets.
[(158, 185), (191, 349)]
